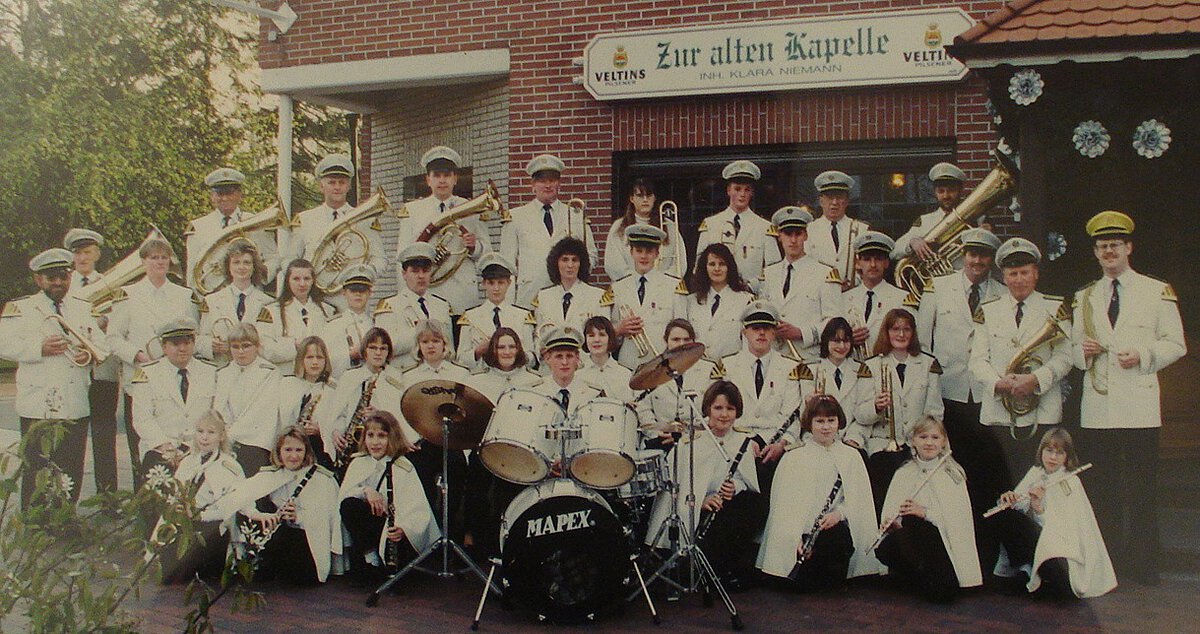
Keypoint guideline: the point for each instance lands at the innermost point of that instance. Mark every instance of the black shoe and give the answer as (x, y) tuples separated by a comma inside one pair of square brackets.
[(1016, 586)]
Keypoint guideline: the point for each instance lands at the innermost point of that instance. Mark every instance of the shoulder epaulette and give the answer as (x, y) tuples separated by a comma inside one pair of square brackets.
[(607, 298), (529, 318), (772, 230), (139, 375), (232, 466), (264, 316), (402, 212), (435, 295), (911, 300), (191, 228), (201, 304), (978, 315), (864, 371), (917, 222), (798, 444), (376, 225), (741, 430), (11, 309), (801, 373), (394, 381), (534, 303), (681, 288), (403, 464), (335, 317), (120, 295), (833, 277), (703, 226), (383, 307), (208, 363), (1064, 312), (1168, 293), (718, 370), (1053, 298), (269, 468), (463, 321), (934, 366), (989, 300)]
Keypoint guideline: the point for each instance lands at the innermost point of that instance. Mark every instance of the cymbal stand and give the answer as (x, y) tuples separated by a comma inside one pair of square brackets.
[(701, 576), (449, 413)]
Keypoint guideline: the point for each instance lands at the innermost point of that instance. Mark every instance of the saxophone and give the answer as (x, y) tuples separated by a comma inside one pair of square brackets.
[(354, 429), (306, 412)]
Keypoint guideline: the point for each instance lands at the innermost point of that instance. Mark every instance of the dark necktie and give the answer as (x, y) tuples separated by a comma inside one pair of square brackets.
[(241, 307), (424, 308), (973, 298), (870, 305), (224, 222), (496, 316), (304, 315), (564, 398), (900, 368), (57, 307), (548, 219), (1114, 304), (837, 378), (1020, 313), (84, 281), (442, 207), (716, 303), (642, 290), (787, 281), (833, 234), (737, 225), (183, 383), (758, 378), (335, 214), (566, 304)]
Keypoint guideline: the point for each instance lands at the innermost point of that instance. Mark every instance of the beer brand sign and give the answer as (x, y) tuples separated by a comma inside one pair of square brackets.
[(864, 49)]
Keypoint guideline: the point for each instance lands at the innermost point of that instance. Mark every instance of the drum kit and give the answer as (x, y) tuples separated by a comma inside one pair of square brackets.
[(567, 549)]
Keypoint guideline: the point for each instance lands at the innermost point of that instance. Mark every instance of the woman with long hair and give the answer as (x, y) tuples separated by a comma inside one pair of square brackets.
[(718, 297), (640, 208), (301, 311), (571, 301), (302, 392)]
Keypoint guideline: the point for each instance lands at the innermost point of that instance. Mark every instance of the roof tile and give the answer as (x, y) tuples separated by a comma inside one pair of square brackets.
[(1187, 12), (1030, 20), (1081, 31)]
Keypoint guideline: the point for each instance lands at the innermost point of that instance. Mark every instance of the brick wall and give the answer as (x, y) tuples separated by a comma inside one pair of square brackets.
[(548, 112)]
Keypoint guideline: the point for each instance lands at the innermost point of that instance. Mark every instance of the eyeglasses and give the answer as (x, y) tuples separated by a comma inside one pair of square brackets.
[(900, 329)]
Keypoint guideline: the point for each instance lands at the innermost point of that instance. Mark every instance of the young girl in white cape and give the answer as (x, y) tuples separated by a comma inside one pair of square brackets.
[(1050, 536)]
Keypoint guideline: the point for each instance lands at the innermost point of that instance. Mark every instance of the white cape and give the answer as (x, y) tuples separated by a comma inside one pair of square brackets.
[(947, 507), (412, 511)]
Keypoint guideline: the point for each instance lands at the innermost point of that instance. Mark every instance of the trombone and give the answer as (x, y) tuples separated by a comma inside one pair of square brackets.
[(576, 206), (78, 344), (668, 221), (849, 271)]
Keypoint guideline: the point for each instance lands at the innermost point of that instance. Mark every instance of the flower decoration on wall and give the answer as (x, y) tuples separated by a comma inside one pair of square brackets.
[(1151, 139), (1056, 245), (1091, 139), (993, 112), (1025, 87)]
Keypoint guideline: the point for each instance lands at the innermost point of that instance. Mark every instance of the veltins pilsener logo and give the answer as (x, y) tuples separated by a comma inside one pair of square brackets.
[(933, 36), (620, 58)]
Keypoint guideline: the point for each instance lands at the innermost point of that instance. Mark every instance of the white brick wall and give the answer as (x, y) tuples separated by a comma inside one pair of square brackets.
[(472, 119)]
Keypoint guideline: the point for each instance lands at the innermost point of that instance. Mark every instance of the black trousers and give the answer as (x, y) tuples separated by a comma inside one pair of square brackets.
[(251, 458), (486, 499), (977, 449), (826, 569), (1019, 534), (427, 460), (729, 543), (288, 559), (67, 455), (1125, 476), (207, 559), (133, 439), (881, 467), (102, 396), (916, 556), (364, 529)]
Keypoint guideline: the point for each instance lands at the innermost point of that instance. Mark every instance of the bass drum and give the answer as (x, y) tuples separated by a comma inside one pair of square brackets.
[(564, 553)]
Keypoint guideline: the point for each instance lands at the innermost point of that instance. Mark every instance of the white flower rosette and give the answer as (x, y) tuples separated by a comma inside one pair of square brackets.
[(1091, 138), (1151, 139), (1025, 86)]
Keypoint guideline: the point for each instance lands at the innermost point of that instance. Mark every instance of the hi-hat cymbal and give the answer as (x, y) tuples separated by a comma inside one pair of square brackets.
[(659, 370), (426, 403)]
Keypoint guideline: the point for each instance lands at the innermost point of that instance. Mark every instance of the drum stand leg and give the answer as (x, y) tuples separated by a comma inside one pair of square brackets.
[(443, 543)]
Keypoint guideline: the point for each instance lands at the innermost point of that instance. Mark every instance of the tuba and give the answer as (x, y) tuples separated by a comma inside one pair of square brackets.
[(342, 245), (443, 233), (912, 273), (207, 273), (101, 293), (1026, 361)]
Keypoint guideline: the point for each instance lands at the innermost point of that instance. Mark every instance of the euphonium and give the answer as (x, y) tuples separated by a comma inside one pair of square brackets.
[(77, 343), (342, 245), (101, 293), (207, 271), (445, 237), (668, 214), (912, 273)]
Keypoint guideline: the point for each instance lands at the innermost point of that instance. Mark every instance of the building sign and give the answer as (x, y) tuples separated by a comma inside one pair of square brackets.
[(831, 51)]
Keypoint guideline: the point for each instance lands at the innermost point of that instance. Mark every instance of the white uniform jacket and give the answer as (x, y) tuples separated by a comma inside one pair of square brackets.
[(711, 469), (765, 413), (525, 243), (202, 233), (580, 393), (612, 377), (813, 298), (282, 327), (618, 262), (110, 370), (919, 229), (858, 385), (222, 304), (311, 225), (462, 288), (217, 476), (411, 510), (947, 507), (1149, 323), (478, 324), (292, 393), (754, 246), (47, 387), (884, 297), (820, 240), (160, 415), (248, 399), (586, 302), (400, 314), (997, 340), (719, 331), (493, 382), (666, 403), (138, 311), (664, 300), (802, 484), (919, 395), (342, 333), (945, 327)]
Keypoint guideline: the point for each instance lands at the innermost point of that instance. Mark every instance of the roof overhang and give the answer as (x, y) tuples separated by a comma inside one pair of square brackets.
[(361, 85), (1042, 52)]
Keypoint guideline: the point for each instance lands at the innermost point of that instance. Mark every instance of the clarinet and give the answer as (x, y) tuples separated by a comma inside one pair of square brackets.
[(255, 546), (787, 424), (354, 428), (810, 538), (390, 548), (707, 520)]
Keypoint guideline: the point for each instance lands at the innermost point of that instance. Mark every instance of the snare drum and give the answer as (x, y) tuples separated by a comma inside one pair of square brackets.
[(516, 446), (564, 553), (608, 442), (649, 475)]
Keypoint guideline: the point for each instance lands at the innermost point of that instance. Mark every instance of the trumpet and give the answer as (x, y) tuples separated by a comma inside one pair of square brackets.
[(889, 412), (78, 344), (668, 214), (645, 347)]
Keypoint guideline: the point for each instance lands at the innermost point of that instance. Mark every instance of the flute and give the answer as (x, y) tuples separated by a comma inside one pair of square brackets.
[(1049, 483), (885, 526)]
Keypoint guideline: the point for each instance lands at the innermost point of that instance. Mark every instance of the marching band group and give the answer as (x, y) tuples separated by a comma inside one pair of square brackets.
[(877, 425)]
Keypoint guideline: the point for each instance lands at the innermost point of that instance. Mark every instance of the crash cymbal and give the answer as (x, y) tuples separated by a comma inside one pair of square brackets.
[(426, 403), (658, 370)]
